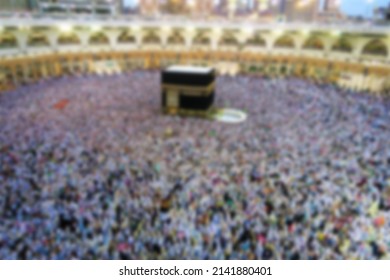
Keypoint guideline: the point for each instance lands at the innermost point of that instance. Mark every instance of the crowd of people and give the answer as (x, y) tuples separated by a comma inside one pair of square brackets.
[(107, 176)]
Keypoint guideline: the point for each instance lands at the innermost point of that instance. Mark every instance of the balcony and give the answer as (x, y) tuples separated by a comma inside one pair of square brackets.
[(80, 7)]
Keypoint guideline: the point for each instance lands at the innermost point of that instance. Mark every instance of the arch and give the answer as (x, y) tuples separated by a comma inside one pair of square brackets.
[(228, 39), (102, 10), (176, 39), (342, 45), (68, 39), (285, 41), (8, 41), (54, 9), (125, 37), (313, 43), (375, 47), (152, 38), (38, 39), (99, 38), (82, 9), (256, 41), (201, 39)]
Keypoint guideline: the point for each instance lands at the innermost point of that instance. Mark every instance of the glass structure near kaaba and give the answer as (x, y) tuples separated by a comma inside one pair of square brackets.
[(188, 90)]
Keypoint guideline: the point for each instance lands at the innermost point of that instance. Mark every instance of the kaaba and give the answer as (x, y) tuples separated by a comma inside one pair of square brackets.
[(188, 90)]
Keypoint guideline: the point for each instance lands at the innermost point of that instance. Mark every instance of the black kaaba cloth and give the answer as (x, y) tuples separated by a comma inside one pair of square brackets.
[(187, 89)]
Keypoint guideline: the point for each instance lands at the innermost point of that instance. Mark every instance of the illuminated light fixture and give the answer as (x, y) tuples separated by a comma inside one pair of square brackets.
[(96, 28), (303, 3), (278, 32), (336, 33), (248, 30), (217, 31), (190, 29), (166, 28), (65, 28), (191, 4), (23, 27), (305, 32), (136, 28)]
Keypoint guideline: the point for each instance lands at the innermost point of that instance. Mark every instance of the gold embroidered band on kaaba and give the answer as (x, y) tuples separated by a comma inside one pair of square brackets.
[(190, 90)]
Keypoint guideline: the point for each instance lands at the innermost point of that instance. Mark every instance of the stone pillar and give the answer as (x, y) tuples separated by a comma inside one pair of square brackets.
[(189, 37), (113, 37), (358, 45), (52, 36), (139, 37), (387, 41), (214, 40), (270, 39), (299, 41), (84, 36), (242, 38), (164, 35), (328, 44), (22, 39)]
